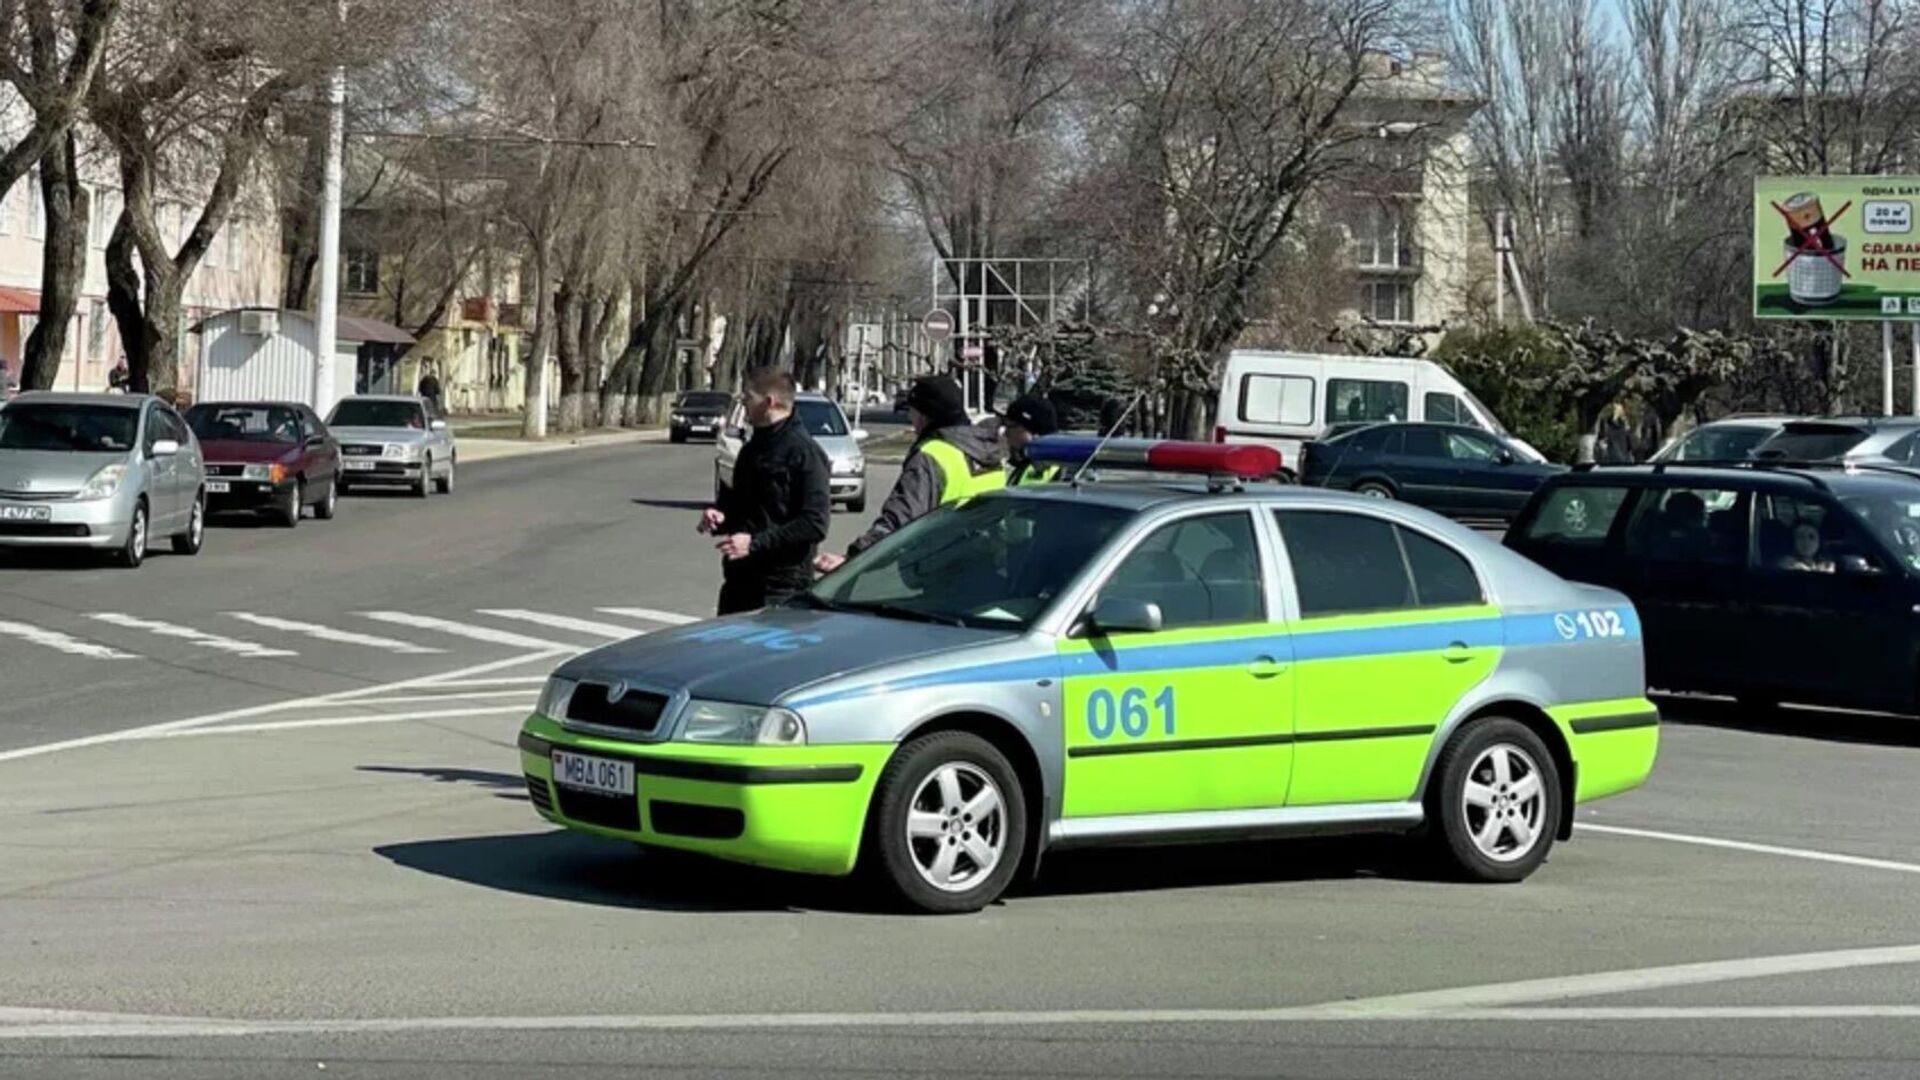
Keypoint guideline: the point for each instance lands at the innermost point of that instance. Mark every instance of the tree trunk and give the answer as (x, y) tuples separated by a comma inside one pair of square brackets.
[(534, 423), (303, 240), (597, 335), (566, 303), (63, 264), (659, 360)]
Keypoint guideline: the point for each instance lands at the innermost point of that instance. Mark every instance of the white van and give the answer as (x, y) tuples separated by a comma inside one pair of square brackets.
[(1284, 399)]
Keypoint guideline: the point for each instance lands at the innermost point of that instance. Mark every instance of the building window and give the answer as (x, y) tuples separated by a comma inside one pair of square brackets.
[(1387, 301), (1383, 237), (362, 272), (104, 212)]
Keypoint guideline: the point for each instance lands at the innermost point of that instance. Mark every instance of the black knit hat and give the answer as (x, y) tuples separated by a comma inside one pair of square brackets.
[(1034, 414), (940, 400)]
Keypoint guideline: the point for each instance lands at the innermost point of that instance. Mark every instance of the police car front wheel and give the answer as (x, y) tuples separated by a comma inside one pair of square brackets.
[(949, 823), (1499, 801)]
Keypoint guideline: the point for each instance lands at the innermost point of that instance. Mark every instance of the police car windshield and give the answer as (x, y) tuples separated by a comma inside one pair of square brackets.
[(995, 562), (1895, 519)]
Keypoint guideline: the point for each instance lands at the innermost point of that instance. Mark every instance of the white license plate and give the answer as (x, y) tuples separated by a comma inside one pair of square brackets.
[(358, 466), (218, 487), (25, 513), (600, 775)]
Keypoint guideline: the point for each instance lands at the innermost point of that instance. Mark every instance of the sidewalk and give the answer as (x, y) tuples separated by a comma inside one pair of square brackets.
[(476, 448)]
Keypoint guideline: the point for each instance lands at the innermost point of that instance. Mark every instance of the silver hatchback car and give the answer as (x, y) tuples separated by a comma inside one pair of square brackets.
[(107, 472)]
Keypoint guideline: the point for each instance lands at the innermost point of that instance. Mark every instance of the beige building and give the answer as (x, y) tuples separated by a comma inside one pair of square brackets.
[(243, 268)]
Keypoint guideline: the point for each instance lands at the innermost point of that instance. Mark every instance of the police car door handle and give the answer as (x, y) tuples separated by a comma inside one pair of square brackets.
[(1457, 653), (1266, 667)]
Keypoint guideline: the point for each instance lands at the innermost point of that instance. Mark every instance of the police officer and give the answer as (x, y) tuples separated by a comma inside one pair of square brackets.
[(776, 513), (1029, 418), (952, 459)]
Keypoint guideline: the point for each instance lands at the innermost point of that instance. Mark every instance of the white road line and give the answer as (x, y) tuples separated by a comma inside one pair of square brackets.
[(525, 693), (466, 630), (1757, 849), (512, 680), (217, 642), (328, 633), (66, 643), (456, 677), (565, 622), (671, 618), (346, 721)]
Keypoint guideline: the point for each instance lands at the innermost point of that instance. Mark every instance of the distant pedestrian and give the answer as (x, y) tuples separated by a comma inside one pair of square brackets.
[(1613, 444), (773, 518), (430, 386), (952, 459)]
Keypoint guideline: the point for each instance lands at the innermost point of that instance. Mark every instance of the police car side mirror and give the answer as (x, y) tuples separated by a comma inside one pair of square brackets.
[(1124, 615)]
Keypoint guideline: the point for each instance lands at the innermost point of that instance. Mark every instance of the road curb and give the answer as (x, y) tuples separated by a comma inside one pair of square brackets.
[(473, 450)]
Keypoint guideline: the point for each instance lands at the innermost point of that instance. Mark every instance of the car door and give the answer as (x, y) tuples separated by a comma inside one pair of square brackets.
[(163, 483), (1394, 629), (1492, 480), (189, 471), (1687, 548), (1198, 715), (1421, 468), (321, 461), (1825, 635)]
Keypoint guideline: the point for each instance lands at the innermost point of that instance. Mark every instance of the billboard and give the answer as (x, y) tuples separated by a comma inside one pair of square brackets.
[(1836, 247)]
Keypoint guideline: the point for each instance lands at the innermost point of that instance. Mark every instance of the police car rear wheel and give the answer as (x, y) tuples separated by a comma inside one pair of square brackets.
[(950, 823), (1499, 801)]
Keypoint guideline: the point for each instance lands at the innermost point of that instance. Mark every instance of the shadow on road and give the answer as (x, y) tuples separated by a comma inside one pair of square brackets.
[(695, 505), (1800, 722), (506, 785), (560, 865), (581, 869)]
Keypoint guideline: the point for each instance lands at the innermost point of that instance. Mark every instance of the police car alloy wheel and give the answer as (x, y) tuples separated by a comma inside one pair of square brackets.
[(1498, 807), (949, 823)]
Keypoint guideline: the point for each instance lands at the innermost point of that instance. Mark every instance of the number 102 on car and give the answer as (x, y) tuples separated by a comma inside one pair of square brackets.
[(1128, 712), (1590, 624)]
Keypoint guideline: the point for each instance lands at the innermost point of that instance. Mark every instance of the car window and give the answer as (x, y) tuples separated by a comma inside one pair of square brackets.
[(1576, 516), (1902, 449), (1800, 535), (176, 428), (312, 421), (1424, 442), (1442, 577), (990, 562), (1345, 563), (1277, 399), (1202, 572), (1352, 400), (1718, 443), (1368, 440), (820, 418), (245, 423), (1446, 409), (1811, 442), (365, 412), (1895, 519), (1690, 525), (1464, 446), (706, 399)]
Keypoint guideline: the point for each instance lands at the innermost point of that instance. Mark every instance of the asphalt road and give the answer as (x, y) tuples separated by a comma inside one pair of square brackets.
[(220, 860)]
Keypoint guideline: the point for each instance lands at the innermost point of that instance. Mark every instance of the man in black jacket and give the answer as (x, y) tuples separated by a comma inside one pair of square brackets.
[(777, 511)]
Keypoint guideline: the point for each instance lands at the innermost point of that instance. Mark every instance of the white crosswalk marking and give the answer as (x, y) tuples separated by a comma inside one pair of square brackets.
[(671, 618), (468, 630), (54, 639), (252, 650), (565, 622), (328, 633)]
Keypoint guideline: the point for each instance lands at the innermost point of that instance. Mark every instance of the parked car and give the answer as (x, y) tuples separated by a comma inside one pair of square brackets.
[(1287, 399), (1460, 471), (698, 412), (828, 426), (1854, 440), (107, 472), (1733, 438), (270, 457), (393, 439), (1768, 584)]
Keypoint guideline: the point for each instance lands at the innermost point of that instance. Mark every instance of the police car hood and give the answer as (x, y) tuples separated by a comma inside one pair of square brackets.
[(755, 659)]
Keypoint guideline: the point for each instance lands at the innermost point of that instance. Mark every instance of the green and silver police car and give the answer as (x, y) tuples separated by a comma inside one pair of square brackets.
[(1079, 664)]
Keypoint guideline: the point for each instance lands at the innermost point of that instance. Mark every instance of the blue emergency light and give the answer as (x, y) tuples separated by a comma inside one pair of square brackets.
[(1246, 461)]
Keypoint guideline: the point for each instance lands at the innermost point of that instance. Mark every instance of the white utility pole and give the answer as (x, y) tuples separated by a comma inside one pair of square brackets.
[(1500, 249), (327, 310), (1886, 368), (1915, 388)]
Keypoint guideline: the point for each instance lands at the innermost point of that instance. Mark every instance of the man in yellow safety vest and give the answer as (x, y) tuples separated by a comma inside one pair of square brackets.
[(951, 459), (1029, 418)]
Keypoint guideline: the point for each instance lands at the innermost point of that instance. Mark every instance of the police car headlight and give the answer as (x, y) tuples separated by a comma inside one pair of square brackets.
[(554, 698), (724, 722)]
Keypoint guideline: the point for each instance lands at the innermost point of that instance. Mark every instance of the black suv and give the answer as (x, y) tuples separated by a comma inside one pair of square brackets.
[(1766, 583), (698, 412)]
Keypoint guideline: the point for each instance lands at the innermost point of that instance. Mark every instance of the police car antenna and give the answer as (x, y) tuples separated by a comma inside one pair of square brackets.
[(1108, 437)]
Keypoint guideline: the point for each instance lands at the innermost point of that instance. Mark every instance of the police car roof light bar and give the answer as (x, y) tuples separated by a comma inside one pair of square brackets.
[(1245, 461)]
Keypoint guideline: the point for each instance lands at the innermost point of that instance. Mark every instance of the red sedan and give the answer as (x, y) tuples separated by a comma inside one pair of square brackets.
[(271, 457)]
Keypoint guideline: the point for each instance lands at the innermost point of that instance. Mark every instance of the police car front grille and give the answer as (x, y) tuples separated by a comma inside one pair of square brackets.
[(637, 711), (606, 811), (537, 792)]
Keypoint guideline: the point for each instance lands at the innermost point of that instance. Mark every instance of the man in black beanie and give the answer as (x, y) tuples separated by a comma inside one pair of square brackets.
[(1028, 418), (952, 459)]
